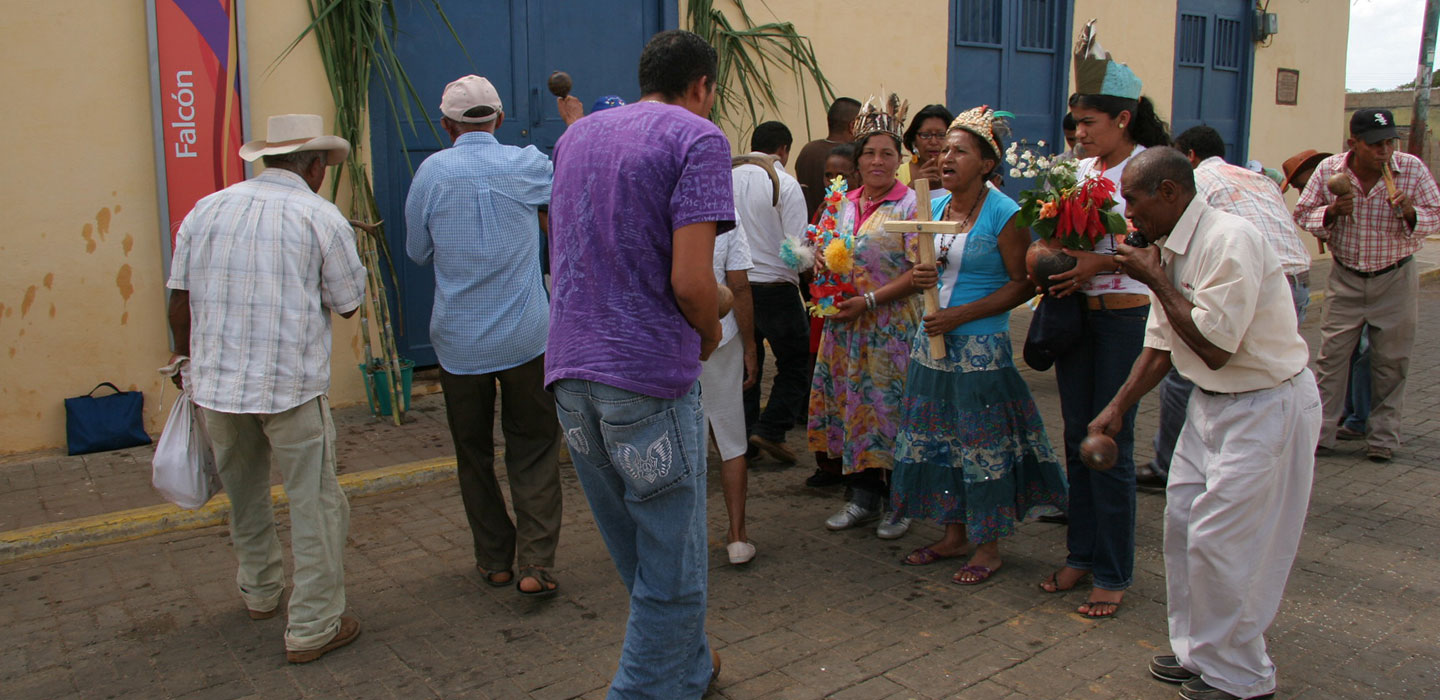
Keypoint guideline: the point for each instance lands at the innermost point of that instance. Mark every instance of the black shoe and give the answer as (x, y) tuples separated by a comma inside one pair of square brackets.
[(1197, 689), (1168, 669), (1057, 519), (1148, 479), (821, 479)]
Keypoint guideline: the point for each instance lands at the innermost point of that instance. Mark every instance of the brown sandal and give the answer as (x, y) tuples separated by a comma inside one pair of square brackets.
[(548, 585)]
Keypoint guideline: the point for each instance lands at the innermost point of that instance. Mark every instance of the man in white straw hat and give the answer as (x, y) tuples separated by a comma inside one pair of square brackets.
[(257, 270), (474, 213)]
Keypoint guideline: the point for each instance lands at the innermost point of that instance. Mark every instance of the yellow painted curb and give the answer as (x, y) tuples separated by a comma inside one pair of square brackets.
[(126, 525)]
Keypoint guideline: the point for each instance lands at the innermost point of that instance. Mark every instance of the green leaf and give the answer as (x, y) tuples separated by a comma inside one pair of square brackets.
[(750, 58), (1114, 223)]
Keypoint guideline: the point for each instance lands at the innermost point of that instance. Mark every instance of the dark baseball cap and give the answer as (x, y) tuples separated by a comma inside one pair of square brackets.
[(1373, 125)]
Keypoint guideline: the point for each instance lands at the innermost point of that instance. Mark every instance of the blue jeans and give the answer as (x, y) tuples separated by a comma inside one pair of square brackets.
[(641, 461), (1357, 399), (1101, 536)]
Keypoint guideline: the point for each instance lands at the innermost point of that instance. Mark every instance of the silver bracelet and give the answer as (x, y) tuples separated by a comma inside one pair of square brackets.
[(870, 300)]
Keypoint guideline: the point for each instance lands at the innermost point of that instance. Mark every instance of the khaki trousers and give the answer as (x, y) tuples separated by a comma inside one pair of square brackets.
[(532, 463), (300, 444), (1389, 305)]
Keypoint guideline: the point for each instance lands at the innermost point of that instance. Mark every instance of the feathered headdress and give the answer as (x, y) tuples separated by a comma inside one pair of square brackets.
[(1098, 74), (986, 124), (875, 119)]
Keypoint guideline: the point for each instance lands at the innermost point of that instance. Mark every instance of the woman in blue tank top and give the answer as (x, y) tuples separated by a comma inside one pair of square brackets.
[(972, 453)]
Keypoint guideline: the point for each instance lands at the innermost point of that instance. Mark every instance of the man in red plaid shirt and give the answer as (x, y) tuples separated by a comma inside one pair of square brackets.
[(1373, 230)]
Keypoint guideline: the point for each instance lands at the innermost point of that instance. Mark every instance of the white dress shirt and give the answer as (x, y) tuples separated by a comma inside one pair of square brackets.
[(1222, 264), (766, 223)]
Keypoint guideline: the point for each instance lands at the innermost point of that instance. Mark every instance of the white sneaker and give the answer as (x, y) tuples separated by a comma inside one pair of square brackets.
[(891, 527), (851, 515), (740, 552)]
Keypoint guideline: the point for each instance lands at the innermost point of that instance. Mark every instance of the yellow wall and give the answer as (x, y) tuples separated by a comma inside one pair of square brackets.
[(900, 46), (81, 287)]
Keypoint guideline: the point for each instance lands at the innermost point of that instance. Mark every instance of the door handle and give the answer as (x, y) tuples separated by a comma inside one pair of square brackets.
[(534, 107)]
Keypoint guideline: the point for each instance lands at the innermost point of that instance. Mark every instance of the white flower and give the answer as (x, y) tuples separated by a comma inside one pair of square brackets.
[(1015, 173), (1031, 173), (1040, 144), (1010, 158)]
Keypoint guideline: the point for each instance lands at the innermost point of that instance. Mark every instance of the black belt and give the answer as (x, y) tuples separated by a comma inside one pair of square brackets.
[(1376, 273), (772, 284), (1207, 392), (1299, 278)]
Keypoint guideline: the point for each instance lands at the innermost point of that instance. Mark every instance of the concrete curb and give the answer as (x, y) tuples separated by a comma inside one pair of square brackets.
[(126, 525), (1426, 275)]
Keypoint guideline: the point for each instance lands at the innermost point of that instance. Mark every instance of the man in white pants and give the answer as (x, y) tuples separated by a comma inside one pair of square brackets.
[(1240, 479), (731, 369)]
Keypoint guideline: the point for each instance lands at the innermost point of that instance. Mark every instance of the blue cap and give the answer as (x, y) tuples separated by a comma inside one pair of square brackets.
[(606, 102)]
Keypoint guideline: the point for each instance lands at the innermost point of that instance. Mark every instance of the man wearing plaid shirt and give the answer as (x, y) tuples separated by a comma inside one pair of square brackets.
[(258, 268), (1373, 234), (473, 211), (1255, 198)]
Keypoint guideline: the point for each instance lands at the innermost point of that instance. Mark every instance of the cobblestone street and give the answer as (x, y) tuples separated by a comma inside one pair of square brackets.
[(816, 615)]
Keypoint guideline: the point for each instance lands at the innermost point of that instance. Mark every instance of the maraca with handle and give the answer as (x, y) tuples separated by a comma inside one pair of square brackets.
[(560, 84), (1098, 451)]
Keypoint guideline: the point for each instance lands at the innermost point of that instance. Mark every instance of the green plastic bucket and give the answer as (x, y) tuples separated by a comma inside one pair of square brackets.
[(377, 387)]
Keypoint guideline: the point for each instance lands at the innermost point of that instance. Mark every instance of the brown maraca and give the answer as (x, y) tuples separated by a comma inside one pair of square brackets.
[(1338, 184), (560, 84), (1098, 451), (727, 299)]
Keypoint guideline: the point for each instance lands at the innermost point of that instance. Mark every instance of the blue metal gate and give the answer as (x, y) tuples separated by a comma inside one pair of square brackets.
[(1214, 63), (516, 44)]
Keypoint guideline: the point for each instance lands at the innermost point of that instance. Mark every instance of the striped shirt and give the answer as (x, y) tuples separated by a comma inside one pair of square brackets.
[(472, 211), (265, 262), (1255, 198), (1372, 238)]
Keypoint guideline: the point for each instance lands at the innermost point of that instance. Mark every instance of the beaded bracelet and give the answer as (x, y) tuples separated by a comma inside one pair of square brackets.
[(870, 300)]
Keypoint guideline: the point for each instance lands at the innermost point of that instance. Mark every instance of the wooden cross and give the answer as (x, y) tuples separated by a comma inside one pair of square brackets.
[(925, 225)]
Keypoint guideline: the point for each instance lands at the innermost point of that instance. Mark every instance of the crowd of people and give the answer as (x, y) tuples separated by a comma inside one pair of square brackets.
[(669, 287)]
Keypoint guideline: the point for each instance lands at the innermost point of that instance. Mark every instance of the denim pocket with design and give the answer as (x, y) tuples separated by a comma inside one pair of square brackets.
[(584, 448), (649, 454)]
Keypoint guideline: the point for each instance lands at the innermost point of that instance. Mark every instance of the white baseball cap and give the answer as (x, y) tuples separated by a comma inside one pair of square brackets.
[(464, 98)]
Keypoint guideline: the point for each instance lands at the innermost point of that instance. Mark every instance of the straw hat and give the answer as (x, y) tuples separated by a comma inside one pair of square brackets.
[(290, 133), (984, 123)]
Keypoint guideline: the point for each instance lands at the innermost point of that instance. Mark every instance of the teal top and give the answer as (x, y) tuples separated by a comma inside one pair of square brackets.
[(982, 269)]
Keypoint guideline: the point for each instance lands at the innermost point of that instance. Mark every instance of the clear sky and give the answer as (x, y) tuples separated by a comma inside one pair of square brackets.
[(1384, 47)]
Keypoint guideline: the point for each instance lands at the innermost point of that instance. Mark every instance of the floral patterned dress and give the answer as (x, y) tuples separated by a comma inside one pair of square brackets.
[(860, 367)]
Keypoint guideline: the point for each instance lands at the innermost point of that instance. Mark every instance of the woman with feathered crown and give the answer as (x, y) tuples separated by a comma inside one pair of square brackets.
[(1113, 123), (864, 348), (972, 453)]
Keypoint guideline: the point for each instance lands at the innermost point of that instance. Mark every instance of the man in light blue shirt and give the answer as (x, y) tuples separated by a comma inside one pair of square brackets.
[(473, 211)]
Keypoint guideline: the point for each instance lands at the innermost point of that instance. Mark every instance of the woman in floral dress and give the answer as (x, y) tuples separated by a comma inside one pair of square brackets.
[(860, 368)]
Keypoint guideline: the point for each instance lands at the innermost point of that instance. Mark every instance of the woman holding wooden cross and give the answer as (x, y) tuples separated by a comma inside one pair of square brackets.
[(971, 452), (864, 348)]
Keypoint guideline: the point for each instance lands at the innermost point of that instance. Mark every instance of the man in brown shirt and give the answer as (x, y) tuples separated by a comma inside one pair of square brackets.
[(810, 164)]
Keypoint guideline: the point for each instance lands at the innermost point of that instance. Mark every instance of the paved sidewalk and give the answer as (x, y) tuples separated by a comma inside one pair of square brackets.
[(817, 615)]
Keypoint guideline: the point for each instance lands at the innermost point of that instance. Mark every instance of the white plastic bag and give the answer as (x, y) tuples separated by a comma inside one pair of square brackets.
[(184, 466)]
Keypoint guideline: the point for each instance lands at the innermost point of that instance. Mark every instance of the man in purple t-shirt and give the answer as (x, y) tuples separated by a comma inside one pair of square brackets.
[(639, 194)]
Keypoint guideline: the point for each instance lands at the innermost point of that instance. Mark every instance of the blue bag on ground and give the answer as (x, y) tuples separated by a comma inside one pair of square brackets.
[(99, 423)]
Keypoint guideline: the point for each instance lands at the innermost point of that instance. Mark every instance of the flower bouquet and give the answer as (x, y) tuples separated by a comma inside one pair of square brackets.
[(827, 248), (1062, 207)]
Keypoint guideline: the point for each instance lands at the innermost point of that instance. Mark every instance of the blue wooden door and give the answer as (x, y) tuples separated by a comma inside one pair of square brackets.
[(1214, 59), (1013, 55), (515, 44)]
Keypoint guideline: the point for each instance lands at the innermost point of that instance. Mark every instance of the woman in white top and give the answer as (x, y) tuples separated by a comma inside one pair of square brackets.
[(1101, 539)]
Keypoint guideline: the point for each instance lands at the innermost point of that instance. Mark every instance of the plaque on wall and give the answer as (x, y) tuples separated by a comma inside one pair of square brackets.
[(1287, 86)]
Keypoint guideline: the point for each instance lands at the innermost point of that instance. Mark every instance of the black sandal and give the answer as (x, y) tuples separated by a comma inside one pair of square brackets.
[(492, 577), (548, 585)]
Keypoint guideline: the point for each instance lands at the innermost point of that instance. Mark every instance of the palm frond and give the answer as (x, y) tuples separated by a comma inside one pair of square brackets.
[(747, 54)]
